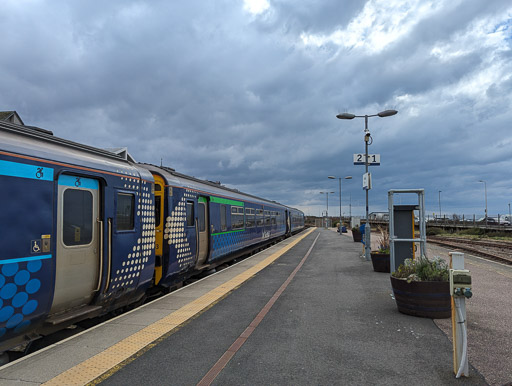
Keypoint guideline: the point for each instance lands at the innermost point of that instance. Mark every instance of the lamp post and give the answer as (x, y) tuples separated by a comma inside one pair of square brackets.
[(440, 203), (350, 208), (327, 211), (339, 178), (367, 137), (485, 187)]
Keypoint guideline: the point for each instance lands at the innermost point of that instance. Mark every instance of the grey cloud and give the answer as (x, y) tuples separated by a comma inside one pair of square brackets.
[(224, 95)]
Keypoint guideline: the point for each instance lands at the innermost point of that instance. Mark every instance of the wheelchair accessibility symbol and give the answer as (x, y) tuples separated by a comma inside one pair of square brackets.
[(35, 246)]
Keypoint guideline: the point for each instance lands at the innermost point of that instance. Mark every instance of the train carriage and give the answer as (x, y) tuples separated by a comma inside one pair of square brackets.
[(201, 224), (85, 231), (76, 234)]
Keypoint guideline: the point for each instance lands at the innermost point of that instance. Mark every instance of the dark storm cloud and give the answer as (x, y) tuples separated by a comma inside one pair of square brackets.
[(220, 93)]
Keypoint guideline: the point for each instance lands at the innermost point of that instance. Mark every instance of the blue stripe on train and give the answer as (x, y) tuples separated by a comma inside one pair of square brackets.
[(78, 182), (22, 259), (16, 169)]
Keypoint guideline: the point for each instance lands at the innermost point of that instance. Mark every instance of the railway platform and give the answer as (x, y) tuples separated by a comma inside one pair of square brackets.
[(309, 310)]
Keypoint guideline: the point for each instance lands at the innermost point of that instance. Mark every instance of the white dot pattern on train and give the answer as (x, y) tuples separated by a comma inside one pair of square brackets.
[(137, 259), (174, 231)]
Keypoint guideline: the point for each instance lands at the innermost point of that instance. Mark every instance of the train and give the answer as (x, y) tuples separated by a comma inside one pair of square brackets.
[(87, 231)]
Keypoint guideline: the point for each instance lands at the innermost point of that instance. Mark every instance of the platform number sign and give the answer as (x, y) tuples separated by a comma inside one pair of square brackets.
[(373, 159)]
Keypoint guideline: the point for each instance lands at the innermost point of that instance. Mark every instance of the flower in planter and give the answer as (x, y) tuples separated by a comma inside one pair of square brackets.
[(423, 269)]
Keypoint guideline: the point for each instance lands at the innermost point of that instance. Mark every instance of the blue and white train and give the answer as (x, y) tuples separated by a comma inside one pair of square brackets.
[(85, 231)]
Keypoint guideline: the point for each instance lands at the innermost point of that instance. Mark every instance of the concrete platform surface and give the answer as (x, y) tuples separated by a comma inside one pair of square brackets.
[(297, 318)]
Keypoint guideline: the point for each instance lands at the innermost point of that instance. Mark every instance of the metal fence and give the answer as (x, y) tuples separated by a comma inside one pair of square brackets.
[(471, 220)]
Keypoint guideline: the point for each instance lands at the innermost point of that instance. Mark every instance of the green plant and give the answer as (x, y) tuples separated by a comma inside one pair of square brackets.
[(423, 269), (435, 231), (473, 232)]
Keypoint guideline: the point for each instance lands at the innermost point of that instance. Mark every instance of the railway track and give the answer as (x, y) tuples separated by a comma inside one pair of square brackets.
[(495, 250)]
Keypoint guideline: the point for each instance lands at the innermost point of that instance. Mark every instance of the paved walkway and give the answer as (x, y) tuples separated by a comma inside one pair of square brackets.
[(317, 314)]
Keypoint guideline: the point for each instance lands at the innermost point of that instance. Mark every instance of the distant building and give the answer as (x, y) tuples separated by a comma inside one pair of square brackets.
[(11, 116), (379, 216)]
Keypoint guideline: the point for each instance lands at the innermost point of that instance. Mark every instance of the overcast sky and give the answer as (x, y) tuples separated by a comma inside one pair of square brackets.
[(246, 91)]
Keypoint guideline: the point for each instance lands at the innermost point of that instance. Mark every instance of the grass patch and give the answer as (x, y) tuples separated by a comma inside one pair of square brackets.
[(471, 233)]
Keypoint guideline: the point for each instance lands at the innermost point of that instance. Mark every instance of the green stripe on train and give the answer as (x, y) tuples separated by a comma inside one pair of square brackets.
[(226, 201)]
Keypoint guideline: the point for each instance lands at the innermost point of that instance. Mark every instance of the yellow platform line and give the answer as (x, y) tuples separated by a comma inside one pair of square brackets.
[(108, 359)]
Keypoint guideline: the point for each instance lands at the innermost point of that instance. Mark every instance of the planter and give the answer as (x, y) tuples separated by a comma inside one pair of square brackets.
[(428, 299), (357, 236), (380, 262)]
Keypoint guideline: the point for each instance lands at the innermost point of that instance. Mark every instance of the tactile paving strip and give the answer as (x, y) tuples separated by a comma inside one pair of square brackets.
[(107, 360)]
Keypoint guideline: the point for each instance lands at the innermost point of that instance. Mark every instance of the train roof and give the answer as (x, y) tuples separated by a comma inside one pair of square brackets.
[(175, 178), (121, 155), (47, 135)]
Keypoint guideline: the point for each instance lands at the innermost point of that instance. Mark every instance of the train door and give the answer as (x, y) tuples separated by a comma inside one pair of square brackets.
[(159, 225), (202, 225), (78, 245)]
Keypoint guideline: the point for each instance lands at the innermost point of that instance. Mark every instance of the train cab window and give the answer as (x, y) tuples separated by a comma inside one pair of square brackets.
[(77, 217), (201, 215), (223, 215), (125, 212), (190, 214)]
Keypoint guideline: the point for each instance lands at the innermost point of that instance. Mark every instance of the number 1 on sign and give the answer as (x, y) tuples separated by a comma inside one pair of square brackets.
[(373, 159)]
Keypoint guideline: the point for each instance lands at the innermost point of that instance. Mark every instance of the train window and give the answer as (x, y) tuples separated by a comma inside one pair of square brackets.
[(237, 217), (158, 201), (77, 217), (201, 217), (223, 215), (158, 188), (190, 214), (250, 221), (125, 212)]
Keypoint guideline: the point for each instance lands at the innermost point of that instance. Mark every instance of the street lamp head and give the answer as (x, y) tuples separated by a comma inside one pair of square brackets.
[(345, 116), (348, 177), (331, 177), (387, 113)]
